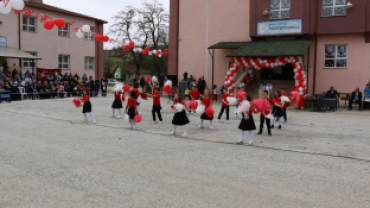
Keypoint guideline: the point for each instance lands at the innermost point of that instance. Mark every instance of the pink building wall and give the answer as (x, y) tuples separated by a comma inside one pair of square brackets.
[(48, 44), (356, 74), (227, 21)]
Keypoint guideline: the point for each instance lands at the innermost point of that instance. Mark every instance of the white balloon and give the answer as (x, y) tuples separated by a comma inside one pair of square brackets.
[(160, 55), (154, 51), (79, 34), (86, 28), (120, 40), (5, 10), (17, 4), (304, 82), (150, 53), (301, 89)]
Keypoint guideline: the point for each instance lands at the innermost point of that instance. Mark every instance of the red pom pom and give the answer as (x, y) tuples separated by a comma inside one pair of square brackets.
[(105, 38), (98, 38), (77, 102), (138, 118), (123, 98), (193, 104), (167, 89), (295, 97), (241, 95), (261, 105), (148, 78), (209, 112), (49, 24), (126, 88), (59, 22), (143, 96)]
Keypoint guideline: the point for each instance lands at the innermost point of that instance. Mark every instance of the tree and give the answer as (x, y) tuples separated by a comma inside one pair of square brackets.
[(146, 26)]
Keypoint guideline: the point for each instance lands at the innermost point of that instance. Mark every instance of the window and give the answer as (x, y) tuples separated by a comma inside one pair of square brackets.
[(333, 8), (335, 56), (89, 36), (63, 61), (279, 9), (89, 63), (29, 24), (64, 31), (27, 63)]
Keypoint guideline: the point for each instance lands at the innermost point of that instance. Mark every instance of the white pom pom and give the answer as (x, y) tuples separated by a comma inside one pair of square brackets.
[(154, 79), (244, 107), (231, 101), (284, 99), (201, 109), (301, 89), (168, 82), (179, 107), (118, 87), (138, 99), (126, 118)]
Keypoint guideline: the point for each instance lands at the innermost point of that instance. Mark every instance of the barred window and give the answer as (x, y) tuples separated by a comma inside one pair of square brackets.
[(279, 9), (335, 56)]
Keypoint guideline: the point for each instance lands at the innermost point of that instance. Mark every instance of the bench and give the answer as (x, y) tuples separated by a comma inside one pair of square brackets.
[(4, 94)]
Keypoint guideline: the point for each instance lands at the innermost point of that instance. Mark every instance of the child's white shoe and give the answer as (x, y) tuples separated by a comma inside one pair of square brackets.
[(111, 116)]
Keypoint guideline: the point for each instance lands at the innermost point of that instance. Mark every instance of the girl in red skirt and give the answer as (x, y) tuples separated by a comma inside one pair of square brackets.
[(207, 102)]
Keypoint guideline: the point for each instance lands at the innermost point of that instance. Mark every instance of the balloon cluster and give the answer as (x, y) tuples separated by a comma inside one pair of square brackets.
[(269, 63), (7, 5)]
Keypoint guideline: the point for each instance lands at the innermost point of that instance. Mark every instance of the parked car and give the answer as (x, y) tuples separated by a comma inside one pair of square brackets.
[(112, 81)]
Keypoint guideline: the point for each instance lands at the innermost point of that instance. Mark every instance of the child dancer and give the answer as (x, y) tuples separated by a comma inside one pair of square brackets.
[(247, 123), (239, 102), (265, 95), (180, 118), (87, 105), (225, 105), (278, 112), (194, 95), (283, 93), (156, 105), (132, 109), (137, 93), (117, 104), (207, 102), (215, 95)]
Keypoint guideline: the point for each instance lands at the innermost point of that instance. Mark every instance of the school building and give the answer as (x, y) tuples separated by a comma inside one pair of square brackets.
[(25, 42), (331, 36)]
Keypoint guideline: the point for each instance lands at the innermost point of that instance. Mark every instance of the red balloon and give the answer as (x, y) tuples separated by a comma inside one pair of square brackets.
[(127, 47), (59, 22), (166, 53), (131, 44), (147, 49), (143, 52), (98, 38), (105, 38), (49, 24)]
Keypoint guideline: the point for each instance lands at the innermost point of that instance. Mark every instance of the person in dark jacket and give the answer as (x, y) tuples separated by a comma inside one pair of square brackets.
[(97, 84), (356, 97), (142, 83), (201, 85), (91, 86)]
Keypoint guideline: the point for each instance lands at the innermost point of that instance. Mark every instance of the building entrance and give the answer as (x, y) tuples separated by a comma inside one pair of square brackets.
[(285, 72)]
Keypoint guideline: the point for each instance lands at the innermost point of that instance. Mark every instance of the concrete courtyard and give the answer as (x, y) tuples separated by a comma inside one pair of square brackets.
[(50, 158)]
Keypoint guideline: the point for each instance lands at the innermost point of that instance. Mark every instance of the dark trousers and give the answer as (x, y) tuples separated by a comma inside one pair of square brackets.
[(262, 118), (222, 112), (359, 102), (284, 114), (157, 109)]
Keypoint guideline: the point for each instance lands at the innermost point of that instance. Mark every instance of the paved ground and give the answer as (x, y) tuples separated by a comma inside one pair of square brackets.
[(49, 158)]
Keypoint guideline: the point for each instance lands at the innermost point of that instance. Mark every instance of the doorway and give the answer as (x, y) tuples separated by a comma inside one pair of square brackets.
[(285, 72)]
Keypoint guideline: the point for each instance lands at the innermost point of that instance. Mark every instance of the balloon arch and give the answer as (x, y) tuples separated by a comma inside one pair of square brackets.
[(269, 63)]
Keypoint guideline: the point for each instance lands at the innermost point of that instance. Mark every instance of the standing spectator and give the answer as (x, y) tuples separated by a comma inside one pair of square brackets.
[(76, 76), (142, 84), (97, 84), (27, 74), (356, 97), (161, 81), (262, 86), (65, 78), (84, 79), (201, 85), (91, 86), (190, 82), (28, 89), (67, 88), (70, 79), (135, 79), (269, 88), (105, 85), (15, 91), (15, 71)]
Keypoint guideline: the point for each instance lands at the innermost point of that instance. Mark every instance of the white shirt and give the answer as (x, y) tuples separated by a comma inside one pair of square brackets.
[(268, 87)]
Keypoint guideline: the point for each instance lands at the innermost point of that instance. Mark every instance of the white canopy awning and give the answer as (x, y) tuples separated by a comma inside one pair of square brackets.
[(16, 53)]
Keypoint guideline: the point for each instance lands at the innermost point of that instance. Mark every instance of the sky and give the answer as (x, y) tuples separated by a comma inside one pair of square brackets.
[(102, 9)]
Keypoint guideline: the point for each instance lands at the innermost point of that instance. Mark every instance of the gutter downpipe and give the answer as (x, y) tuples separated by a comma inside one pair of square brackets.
[(315, 53)]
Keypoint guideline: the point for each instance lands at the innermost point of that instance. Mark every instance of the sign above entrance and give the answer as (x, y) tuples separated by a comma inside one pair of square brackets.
[(3, 41), (280, 27)]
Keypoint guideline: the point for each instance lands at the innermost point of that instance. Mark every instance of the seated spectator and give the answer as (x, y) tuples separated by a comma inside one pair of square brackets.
[(80, 89), (73, 89), (332, 92), (15, 92), (67, 88), (28, 89), (366, 96), (61, 90), (356, 97), (40, 90), (47, 90), (53, 89)]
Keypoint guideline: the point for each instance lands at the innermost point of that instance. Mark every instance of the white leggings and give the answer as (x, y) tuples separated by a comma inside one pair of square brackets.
[(174, 128), (279, 119), (92, 116), (119, 110), (250, 136)]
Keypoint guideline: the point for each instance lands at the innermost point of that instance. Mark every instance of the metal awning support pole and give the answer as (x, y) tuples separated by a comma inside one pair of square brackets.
[(33, 65), (213, 67)]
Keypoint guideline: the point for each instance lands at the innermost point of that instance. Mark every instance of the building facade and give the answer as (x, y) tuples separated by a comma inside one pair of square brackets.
[(339, 31), (58, 48)]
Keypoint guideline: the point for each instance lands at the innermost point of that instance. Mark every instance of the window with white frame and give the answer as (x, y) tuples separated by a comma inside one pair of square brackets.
[(29, 24), (27, 63), (335, 56), (279, 9), (333, 8), (63, 61), (88, 35), (64, 31), (90, 63)]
